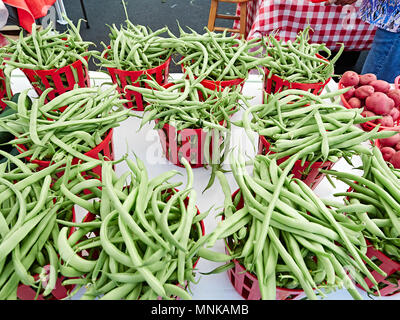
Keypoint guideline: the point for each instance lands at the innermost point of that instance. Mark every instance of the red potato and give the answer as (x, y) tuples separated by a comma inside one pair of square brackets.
[(350, 78), (395, 114), (367, 78), (380, 85), (397, 147), (367, 114), (390, 102), (391, 141), (385, 121), (364, 91), (355, 102), (379, 103), (387, 153), (349, 94), (395, 95), (395, 160)]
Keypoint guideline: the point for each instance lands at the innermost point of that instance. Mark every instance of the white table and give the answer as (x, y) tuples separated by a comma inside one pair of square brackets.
[(147, 147)]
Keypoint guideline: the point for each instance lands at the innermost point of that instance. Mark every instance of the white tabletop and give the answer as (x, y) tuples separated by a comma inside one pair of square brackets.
[(145, 144)]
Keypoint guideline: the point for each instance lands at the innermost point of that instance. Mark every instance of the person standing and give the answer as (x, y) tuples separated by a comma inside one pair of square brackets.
[(383, 58)]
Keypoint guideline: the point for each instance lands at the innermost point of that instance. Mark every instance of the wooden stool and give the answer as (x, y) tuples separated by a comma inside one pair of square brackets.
[(214, 15)]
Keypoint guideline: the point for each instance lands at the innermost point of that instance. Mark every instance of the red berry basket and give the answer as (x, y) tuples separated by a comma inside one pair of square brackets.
[(387, 265), (219, 85), (189, 143), (59, 292), (105, 149), (310, 176), (274, 84), (384, 263), (369, 125), (246, 283), (61, 80), (123, 78)]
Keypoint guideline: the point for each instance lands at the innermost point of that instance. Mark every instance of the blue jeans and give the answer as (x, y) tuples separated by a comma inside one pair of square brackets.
[(384, 57)]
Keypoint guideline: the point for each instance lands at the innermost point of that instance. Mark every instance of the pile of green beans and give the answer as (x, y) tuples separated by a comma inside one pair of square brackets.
[(226, 57), (187, 103), (297, 61), (374, 201), (46, 49), (310, 127), (300, 243), (50, 134), (28, 228), (135, 48), (147, 235)]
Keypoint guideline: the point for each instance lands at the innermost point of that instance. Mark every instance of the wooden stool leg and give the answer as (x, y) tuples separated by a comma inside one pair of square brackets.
[(243, 18), (213, 15)]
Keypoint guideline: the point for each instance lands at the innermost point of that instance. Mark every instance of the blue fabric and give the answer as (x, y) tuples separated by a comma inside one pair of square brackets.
[(384, 57), (384, 14)]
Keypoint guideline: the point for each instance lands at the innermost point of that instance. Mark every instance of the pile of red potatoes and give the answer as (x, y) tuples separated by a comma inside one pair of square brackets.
[(378, 98)]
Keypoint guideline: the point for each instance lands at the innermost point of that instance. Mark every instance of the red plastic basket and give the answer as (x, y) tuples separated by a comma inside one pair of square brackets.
[(385, 264), (274, 84), (246, 283), (105, 148), (369, 125), (389, 267), (219, 85), (59, 292), (40, 79), (123, 78), (311, 177), (189, 143)]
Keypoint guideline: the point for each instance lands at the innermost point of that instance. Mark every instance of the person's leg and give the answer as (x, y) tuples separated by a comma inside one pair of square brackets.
[(383, 58)]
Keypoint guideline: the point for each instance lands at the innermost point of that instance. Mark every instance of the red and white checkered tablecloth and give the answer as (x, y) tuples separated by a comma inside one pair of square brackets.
[(331, 24)]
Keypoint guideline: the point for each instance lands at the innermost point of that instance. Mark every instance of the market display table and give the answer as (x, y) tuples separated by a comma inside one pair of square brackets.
[(146, 145), (331, 24)]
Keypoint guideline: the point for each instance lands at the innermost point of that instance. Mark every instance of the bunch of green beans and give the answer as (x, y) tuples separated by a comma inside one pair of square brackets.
[(186, 103), (46, 49), (374, 201), (135, 47), (146, 232), (310, 127), (28, 228), (300, 243), (297, 61), (50, 134), (227, 57)]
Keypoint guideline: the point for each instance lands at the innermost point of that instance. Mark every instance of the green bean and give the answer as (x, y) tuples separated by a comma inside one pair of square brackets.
[(68, 255), (150, 279), (53, 269)]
